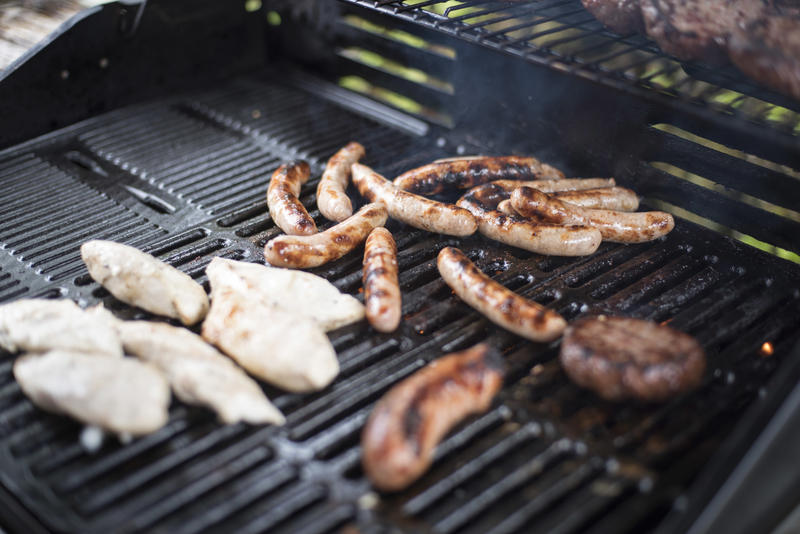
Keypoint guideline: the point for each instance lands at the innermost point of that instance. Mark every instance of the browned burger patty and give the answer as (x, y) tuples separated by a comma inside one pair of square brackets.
[(768, 50), (698, 29), (620, 358), (621, 16)]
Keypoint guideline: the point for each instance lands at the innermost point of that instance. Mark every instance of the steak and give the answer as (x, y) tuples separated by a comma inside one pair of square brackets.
[(621, 16), (698, 29)]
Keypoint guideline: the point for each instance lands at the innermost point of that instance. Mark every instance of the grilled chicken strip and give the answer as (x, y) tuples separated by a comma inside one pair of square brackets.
[(615, 226), (400, 437), (332, 199), (618, 358), (526, 233), (497, 303), (297, 292), (141, 280), (287, 212), (303, 252), (381, 287), (412, 209), (121, 395), (40, 325), (555, 186), (287, 350), (198, 373), (453, 174)]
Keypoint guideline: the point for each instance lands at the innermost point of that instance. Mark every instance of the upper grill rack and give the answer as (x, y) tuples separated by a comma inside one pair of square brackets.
[(563, 35)]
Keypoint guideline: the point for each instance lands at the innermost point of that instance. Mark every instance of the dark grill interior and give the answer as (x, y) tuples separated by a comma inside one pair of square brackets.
[(184, 177)]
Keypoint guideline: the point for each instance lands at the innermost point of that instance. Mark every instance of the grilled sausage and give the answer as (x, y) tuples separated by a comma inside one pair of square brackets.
[(554, 186), (616, 226), (618, 357), (607, 198), (286, 210), (411, 209), (506, 208), (403, 430), (302, 252), (381, 288), (526, 233), (332, 199), (499, 304), (462, 173)]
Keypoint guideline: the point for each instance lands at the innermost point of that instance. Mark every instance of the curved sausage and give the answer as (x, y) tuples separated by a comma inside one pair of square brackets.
[(607, 198), (499, 304), (527, 233), (505, 207), (463, 173), (400, 437), (286, 210), (302, 252), (381, 288), (332, 199), (411, 209), (554, 186), (615, 226)]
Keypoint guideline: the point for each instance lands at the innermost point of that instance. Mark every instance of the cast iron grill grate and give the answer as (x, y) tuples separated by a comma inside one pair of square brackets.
[(548, 457)]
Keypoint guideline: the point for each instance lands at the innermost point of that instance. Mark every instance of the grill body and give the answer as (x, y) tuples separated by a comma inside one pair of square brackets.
[(179, 168)]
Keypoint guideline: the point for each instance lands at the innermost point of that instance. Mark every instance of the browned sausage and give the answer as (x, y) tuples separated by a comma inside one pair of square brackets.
[(381, 288), (403, 430), (616, 226), (526, 233), (462, 173), (499, 304), (411, 209), (506, 208), (332, 199), (302, 252), (285, 209), (607, 198), (554, 186)]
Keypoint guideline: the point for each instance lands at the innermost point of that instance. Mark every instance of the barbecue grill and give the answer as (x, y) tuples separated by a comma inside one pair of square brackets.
[(159, 125)]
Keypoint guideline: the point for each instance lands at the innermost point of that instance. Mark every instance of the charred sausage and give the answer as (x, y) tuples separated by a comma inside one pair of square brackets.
[(400, 437), (381, 288), (302, 252), (615, 226), (462, 173), (499, 304), (606, 198), (618, 358), (332, 199), (554, 186), (526, 233), (506, 208), (411, 209), (286, 210)]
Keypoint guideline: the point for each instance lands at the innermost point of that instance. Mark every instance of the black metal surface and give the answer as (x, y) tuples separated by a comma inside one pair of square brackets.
[(188, 174)]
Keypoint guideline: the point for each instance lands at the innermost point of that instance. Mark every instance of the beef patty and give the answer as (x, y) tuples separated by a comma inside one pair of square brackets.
[(769, 51), (619, 358), (698, 29), (621, 16)]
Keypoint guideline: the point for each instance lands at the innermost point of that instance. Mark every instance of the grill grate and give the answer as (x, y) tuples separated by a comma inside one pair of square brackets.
[(563, 35), (548, 457)]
